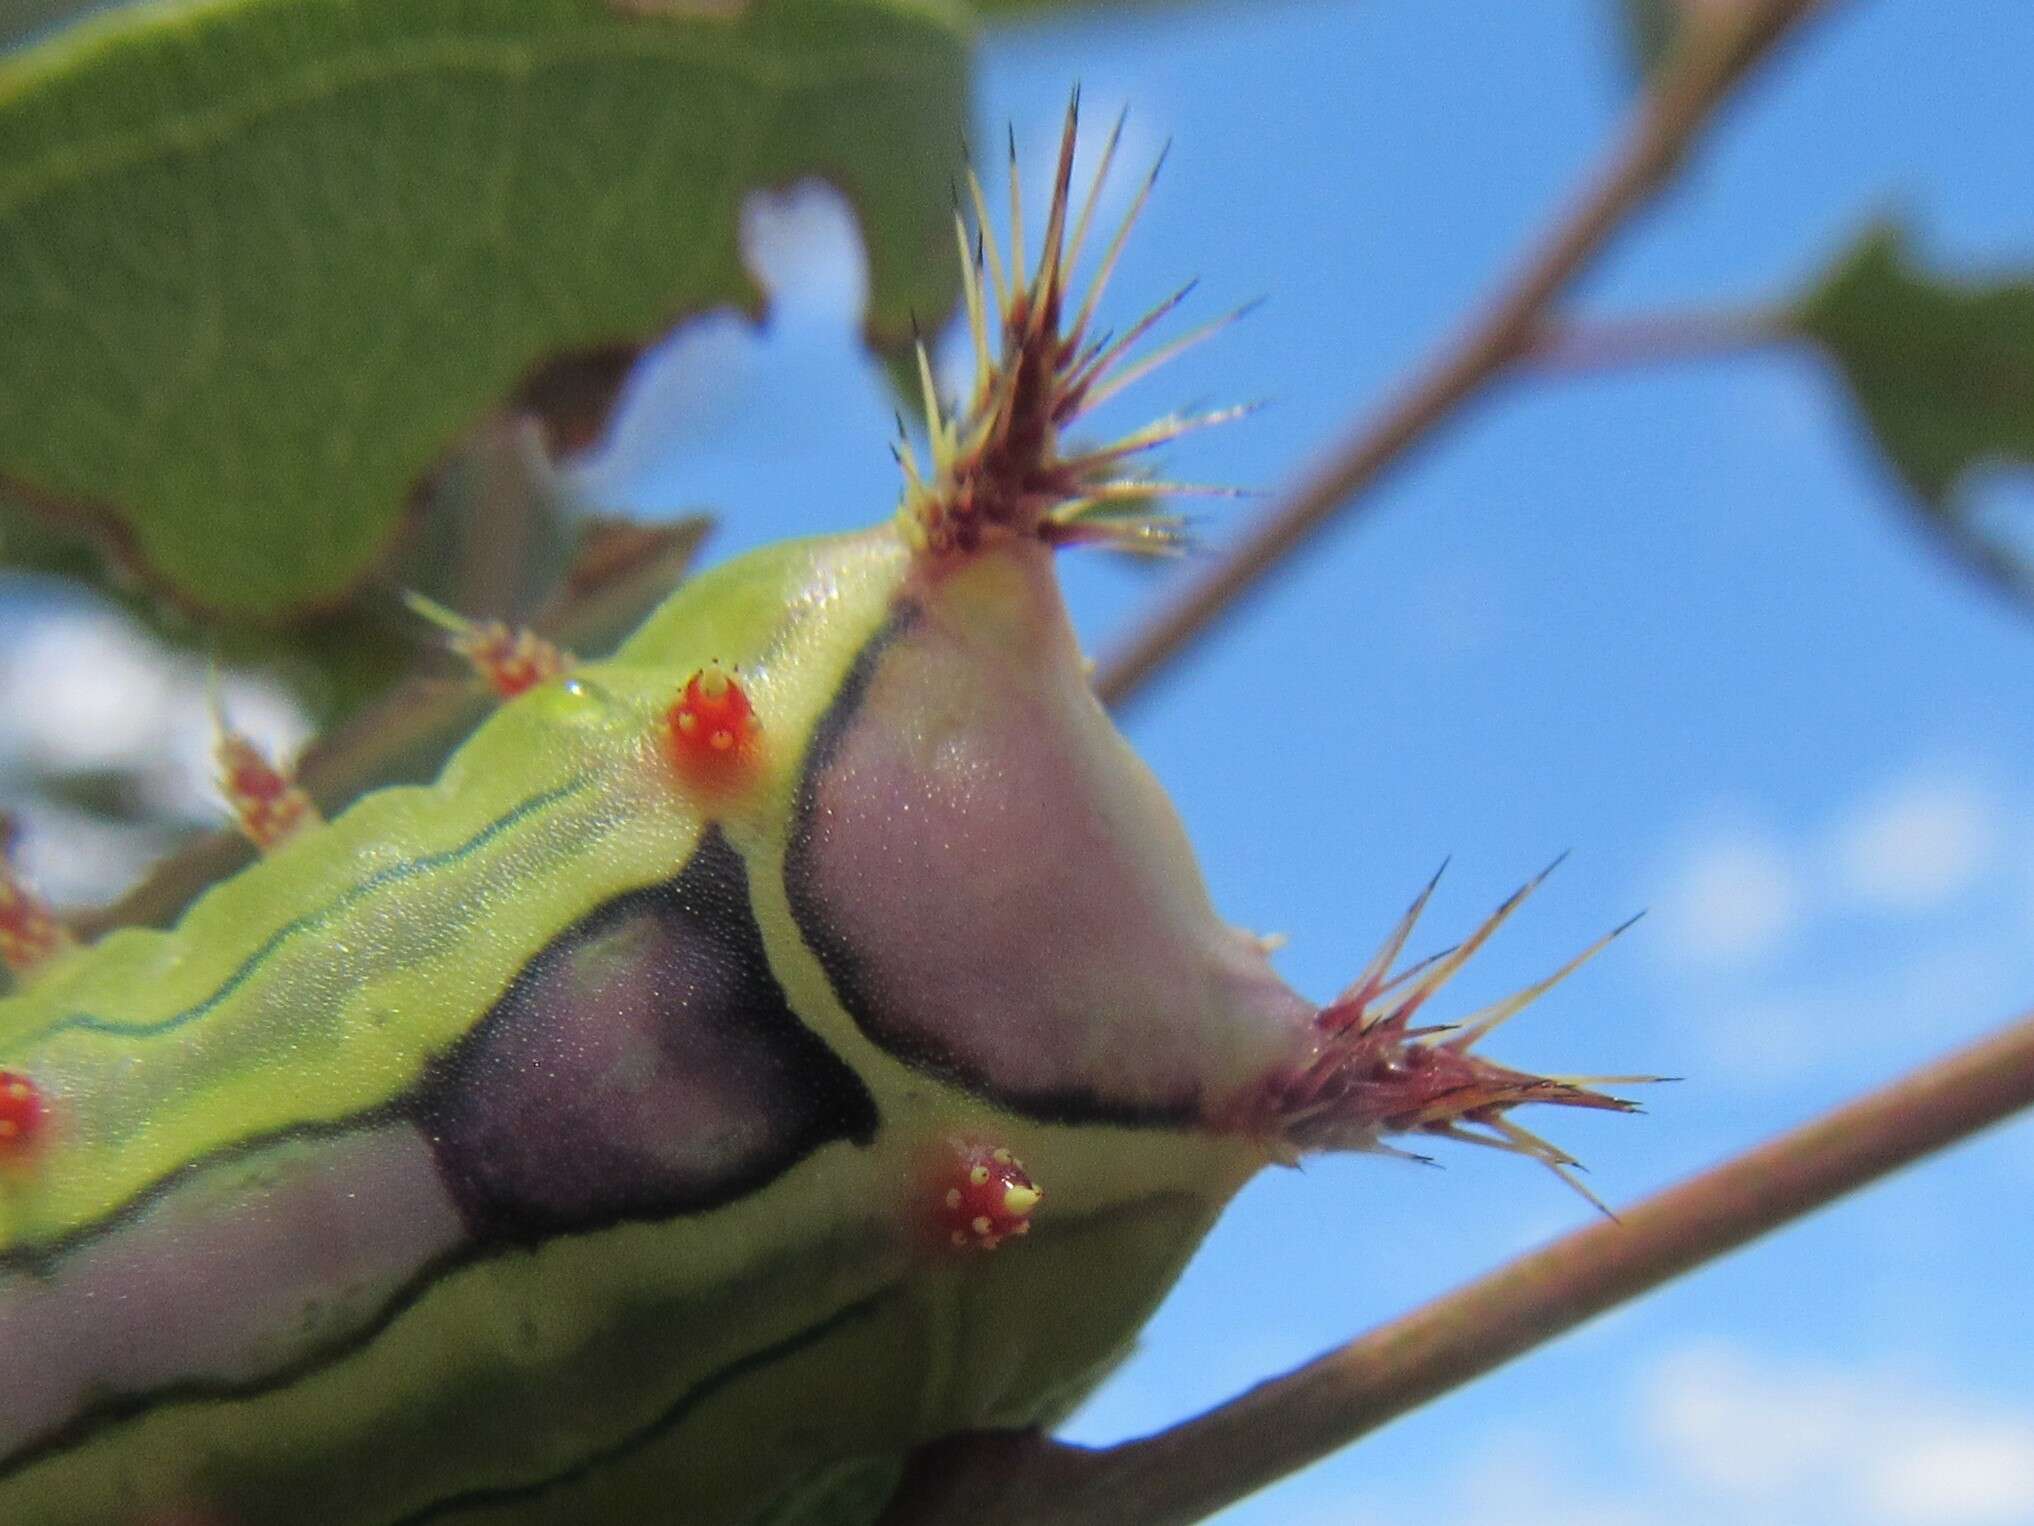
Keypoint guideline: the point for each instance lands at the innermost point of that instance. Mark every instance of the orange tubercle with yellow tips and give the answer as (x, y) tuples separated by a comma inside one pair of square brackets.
[(512, 660), (988, 1197), (712, 730)]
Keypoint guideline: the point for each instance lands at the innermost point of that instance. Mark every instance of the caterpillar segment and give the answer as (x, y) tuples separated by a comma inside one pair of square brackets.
[(584, 1136)]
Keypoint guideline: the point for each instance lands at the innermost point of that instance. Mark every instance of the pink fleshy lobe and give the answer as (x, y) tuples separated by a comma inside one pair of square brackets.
[(1007, 894), (999, 888)]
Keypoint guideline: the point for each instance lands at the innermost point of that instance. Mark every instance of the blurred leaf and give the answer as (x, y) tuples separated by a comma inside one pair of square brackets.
[(491, 536), (262, 262), (1943, 371), (21, 19), (108, 794), (330, 664)]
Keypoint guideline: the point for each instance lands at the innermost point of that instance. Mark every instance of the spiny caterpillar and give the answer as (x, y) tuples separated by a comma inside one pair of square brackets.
[(799, 1036)]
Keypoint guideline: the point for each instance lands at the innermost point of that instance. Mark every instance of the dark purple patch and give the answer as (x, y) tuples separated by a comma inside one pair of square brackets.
[(645, 1064)]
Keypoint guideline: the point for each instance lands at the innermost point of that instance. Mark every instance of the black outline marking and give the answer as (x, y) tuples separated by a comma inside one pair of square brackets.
[(846, 969), (858, 1119), (34, 1259), (713, 893), (86, 1022)]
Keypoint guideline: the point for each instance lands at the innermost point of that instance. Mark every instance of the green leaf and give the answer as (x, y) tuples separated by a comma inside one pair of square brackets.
[(264, 262), (1943, 371), (491, 535), (21, 19)]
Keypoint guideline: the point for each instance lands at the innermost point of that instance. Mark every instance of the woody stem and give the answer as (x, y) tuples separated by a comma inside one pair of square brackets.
[(1720, 44)]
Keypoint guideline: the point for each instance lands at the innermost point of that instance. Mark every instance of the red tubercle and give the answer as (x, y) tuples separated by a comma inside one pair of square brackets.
[(712, 731), (512, 659), (984, 1196), (24, 1117), (267, 804)]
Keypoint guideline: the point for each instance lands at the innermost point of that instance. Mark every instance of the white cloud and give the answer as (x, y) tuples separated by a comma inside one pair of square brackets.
[(1984, 1471), (1731, 896), (1916, 844), (85, 690), (1733, 893), (1771, 1039), (73, 859), (1520, 1478), (1798, 1441)]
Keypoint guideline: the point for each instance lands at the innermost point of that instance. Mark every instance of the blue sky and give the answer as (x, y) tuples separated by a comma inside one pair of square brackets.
[(1673, 620)]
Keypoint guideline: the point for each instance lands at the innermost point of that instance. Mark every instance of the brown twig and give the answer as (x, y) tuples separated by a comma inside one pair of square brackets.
[(1195, 1468), (1586, 346), (1721, 43), (1570, 347)]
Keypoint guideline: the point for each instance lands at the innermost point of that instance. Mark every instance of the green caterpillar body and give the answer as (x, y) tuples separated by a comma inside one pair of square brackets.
[(306, 1246), (641, 1122)]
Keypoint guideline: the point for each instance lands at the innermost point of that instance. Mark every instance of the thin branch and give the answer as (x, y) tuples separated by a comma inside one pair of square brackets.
[(1581, 346), (1576, 347), (1183, 1474), (1715, 54)]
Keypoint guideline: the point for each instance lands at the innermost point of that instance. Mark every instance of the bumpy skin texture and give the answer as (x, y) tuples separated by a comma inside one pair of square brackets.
[(554, 1143)]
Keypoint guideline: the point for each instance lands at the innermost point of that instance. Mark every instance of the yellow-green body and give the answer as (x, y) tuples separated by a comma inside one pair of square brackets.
[(685, 1370)]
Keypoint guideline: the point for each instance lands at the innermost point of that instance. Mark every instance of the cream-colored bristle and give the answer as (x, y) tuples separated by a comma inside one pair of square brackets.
[(998, 467)]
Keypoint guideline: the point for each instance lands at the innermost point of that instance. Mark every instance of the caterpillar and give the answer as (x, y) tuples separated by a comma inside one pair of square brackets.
[(796, 1037)]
